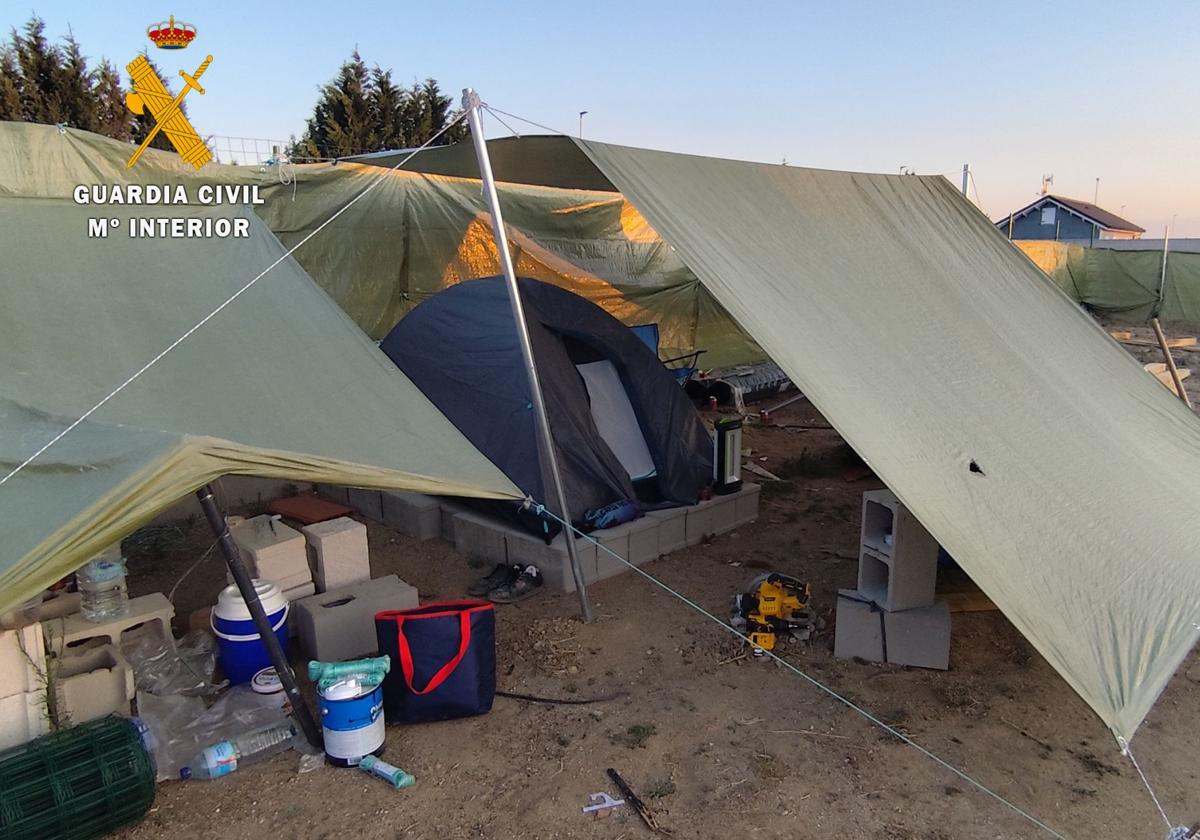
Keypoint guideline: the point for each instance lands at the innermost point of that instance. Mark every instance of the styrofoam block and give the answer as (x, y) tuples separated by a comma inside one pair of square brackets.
[(23, 717), (270, 549), (333, 492), (93, 683), (414, 514), (367, 502), (22, 660), (338, 551), (746, 503), (672, 528), (301, 591), (340, 624)]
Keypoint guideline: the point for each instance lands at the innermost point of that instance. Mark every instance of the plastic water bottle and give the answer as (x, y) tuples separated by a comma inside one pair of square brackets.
[(103, 594), (223, 757)]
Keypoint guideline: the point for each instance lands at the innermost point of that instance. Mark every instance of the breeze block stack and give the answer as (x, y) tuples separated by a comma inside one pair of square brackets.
[(893, 616), (273, 551)]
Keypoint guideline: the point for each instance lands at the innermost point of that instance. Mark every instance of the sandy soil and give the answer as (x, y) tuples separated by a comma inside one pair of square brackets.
[(715, 748)]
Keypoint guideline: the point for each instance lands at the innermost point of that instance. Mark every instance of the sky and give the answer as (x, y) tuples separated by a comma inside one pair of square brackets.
[(1016, 89)]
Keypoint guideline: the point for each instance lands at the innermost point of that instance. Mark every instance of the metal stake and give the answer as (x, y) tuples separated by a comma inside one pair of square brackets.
[(470, 103), (233, 557)]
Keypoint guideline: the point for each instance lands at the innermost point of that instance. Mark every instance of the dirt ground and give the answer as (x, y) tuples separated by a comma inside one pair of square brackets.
[(715, 748)]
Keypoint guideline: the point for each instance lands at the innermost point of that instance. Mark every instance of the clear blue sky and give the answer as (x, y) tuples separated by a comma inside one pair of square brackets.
[(1017, 89)]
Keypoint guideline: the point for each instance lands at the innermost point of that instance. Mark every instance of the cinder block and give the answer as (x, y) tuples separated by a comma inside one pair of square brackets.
[(300, 591), (746, 503), (858, 631), (919, 637), (636, 542), (22, 660), (479, 538), (898, 558), (340, 624), (271, 550), (23, 717), (450, 509), (367, 502), (699, 523), (338, 552), (722, 513), (414, 514), (92, 683), (672, 528), (146, 614), (333, 492)]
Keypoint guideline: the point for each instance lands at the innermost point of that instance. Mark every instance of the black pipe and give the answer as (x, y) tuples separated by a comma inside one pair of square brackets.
[(233, 557)]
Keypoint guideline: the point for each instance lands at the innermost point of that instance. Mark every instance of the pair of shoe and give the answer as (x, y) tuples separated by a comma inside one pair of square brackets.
[(508, 583)]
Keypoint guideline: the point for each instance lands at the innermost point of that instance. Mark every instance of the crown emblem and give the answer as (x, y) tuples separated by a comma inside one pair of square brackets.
[(171, 35)]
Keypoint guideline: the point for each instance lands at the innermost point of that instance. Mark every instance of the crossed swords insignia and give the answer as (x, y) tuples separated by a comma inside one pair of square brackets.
[(149, 92)]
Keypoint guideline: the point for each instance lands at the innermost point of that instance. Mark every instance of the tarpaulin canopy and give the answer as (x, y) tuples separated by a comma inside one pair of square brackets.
[(280, 383), (1125, 285), (1037, 451), (416, 234)]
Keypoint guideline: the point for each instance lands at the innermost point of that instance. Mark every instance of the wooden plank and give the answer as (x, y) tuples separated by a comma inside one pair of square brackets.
[(1121, 335), (1182, 343), (967, 601)]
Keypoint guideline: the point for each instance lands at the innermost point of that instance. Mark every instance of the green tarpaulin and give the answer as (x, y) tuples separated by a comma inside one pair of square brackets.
[(280, 383), (1124, 285), (1031, 445)]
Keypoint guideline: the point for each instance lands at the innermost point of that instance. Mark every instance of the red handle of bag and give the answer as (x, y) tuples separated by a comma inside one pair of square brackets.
[(406, 661)]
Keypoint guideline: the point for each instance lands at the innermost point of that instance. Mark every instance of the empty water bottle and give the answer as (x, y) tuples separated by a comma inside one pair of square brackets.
[(223, 757), (103, 594)]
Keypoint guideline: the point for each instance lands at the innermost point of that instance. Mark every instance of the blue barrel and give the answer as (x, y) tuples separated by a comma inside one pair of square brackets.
[(240, 649), (352, 717)]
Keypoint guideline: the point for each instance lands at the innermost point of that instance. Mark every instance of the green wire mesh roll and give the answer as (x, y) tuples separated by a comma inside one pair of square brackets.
[(76, 784)]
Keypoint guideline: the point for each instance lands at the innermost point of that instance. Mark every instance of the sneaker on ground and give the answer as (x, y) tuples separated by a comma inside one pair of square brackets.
[(504, 573), (528, 583)]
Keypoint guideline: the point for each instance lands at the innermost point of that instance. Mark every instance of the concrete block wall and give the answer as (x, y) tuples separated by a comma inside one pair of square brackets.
[(338, 553), (333, 492), (367, 502), (672, 528), (413, 514)]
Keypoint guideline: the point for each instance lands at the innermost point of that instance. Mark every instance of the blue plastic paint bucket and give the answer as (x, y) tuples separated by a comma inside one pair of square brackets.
[(240, 649), (352, 717)]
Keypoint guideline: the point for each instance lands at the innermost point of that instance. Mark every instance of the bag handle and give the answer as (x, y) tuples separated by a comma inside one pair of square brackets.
[(406, 661)]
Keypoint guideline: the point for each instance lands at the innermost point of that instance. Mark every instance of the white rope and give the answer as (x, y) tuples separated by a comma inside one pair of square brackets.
[(226, 303), (1162, 812), (815, 682)]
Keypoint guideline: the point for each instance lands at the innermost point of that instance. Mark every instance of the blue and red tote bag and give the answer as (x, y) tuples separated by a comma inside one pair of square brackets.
[(446, 654)]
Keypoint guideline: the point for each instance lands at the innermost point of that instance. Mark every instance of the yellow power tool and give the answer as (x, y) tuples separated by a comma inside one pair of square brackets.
[(776, 605)]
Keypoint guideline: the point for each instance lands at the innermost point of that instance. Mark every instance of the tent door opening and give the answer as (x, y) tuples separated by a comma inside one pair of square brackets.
[(615, 418)]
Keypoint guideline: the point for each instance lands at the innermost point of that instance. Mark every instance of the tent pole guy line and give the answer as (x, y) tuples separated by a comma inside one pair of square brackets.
[(471, 105), (75, 424), (811, 680)]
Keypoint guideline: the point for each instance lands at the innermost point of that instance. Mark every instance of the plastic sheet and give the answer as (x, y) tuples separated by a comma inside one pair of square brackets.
[(180, 726), (185, 670)]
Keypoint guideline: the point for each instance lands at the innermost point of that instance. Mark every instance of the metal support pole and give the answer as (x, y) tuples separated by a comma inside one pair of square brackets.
[(233, 557), (1162, 343), (966, 175), (1162, 274), (470, 103)]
